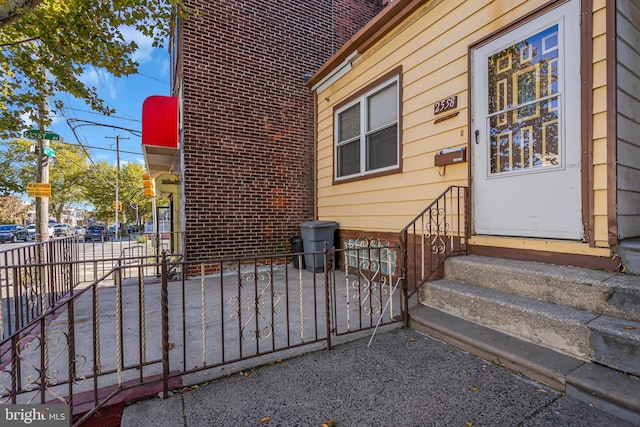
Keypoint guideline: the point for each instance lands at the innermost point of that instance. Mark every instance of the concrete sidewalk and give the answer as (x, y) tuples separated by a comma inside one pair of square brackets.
[(403, 379)]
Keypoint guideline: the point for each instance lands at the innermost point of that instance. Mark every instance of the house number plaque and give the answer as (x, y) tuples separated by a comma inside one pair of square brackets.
[(445, 105)]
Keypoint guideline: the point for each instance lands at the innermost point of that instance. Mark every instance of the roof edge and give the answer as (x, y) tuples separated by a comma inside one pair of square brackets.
[(367, 36)]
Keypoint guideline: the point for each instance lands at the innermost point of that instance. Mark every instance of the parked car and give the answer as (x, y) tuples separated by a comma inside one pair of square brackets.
[(62, 230), (31, 230), (79, 230), (97, 232), (13, 233)]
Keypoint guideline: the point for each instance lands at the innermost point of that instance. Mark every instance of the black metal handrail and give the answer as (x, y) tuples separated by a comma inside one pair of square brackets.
[(439, 231)]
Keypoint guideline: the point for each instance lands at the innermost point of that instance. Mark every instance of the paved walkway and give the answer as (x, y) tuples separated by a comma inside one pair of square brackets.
[(403, 379)]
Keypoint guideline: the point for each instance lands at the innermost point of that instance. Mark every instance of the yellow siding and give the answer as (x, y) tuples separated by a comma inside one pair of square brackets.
[(539, 245), (600, 221), (599, 74), (432, 48), (599, 22), (600, 151), (601, 235), (600, 99), (600, 125), (599, 4), (599, 48), (600, 203), (600, 177)]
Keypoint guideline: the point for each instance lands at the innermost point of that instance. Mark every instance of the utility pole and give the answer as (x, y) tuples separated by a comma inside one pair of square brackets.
[(117, 138), (42, 175)]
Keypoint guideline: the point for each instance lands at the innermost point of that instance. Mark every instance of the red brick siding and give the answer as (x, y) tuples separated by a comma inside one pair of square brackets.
[(350, 16), (248, 119)]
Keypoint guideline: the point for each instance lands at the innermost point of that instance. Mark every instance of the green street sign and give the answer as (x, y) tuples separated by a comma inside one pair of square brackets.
[(48, 151), (41, 134)]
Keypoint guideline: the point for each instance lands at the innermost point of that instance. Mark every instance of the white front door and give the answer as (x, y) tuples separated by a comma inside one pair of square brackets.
[(526, 124)]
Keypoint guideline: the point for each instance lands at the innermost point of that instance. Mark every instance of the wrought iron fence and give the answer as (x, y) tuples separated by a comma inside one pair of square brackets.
[(128, 327), (441, 230), (366, 282), (34, 276)]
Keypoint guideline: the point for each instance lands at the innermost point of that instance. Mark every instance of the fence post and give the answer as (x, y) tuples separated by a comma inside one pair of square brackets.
[(164, 300), (326, 289), (404, 273), (119, 316)]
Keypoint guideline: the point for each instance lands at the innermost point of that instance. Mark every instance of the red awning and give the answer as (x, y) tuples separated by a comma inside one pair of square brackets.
[(160, 136), (160, 121)]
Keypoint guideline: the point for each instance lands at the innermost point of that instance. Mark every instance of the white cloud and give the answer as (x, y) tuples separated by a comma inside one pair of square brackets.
[(100, 79), (91, 77), (145, 49), (28, 123), (56, 119), (165, 66)]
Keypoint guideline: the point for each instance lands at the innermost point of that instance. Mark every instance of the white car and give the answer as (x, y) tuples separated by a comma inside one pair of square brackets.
[(31, 229)]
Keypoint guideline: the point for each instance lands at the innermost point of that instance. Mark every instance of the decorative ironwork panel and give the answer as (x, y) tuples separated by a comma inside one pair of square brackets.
[(257, 305)]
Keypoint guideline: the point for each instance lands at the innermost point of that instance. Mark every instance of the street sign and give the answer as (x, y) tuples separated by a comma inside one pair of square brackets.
[(48, 151), (39, 189), (41, 134)]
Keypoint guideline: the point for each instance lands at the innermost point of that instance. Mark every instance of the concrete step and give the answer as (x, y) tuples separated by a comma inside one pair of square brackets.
[(629, 251), (563, 329), (607, 389), (577, 333), (613, 294)]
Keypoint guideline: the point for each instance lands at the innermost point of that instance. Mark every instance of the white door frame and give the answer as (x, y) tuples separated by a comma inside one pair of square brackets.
[(541, 202)]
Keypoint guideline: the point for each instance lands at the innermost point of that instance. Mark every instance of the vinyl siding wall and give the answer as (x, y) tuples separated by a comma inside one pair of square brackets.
[(432, 48), (628, 99)]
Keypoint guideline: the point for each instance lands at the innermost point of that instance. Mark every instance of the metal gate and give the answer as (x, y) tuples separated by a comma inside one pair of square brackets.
[(130, 328)]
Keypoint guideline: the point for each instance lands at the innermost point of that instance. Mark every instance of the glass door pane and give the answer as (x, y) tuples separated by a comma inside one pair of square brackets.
[(523, 102)]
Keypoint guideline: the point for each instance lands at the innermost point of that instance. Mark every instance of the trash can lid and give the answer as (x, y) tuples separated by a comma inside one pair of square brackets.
[(319, 224)]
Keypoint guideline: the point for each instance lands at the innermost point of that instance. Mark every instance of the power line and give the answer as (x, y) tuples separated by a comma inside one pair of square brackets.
[(153, 78), (98, 114), (82, 123), (99, 148)]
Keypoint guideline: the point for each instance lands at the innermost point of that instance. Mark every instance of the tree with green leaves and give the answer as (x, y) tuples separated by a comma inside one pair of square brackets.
[(76, 181), (67, 170), (100, 192), (46, 45)]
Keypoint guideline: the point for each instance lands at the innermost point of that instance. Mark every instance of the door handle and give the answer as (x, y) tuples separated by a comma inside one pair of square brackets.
[(477, 137)]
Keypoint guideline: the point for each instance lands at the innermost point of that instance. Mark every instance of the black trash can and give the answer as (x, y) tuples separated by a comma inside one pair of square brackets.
[(297, 247), (314, 234)]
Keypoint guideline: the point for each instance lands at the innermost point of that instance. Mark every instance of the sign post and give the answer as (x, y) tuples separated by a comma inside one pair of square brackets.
[(41, 190)]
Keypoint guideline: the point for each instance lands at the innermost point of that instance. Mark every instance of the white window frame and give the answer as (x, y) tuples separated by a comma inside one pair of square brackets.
[(362, 100)]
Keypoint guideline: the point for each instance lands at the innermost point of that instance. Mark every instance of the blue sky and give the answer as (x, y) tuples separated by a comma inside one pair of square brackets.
[(125, 95)]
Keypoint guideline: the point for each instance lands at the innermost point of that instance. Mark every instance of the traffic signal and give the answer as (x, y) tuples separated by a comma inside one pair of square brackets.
[(148, 185), (119, 205)]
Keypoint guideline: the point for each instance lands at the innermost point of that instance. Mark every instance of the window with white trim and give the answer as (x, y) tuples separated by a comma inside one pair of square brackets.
[(366, 133)]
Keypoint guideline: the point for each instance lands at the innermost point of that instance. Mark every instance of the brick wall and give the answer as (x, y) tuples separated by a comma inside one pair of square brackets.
[(248, 118), (350, 16)]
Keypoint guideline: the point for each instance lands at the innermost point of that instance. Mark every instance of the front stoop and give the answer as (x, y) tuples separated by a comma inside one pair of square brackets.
[(543, 320), (609, 390)]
